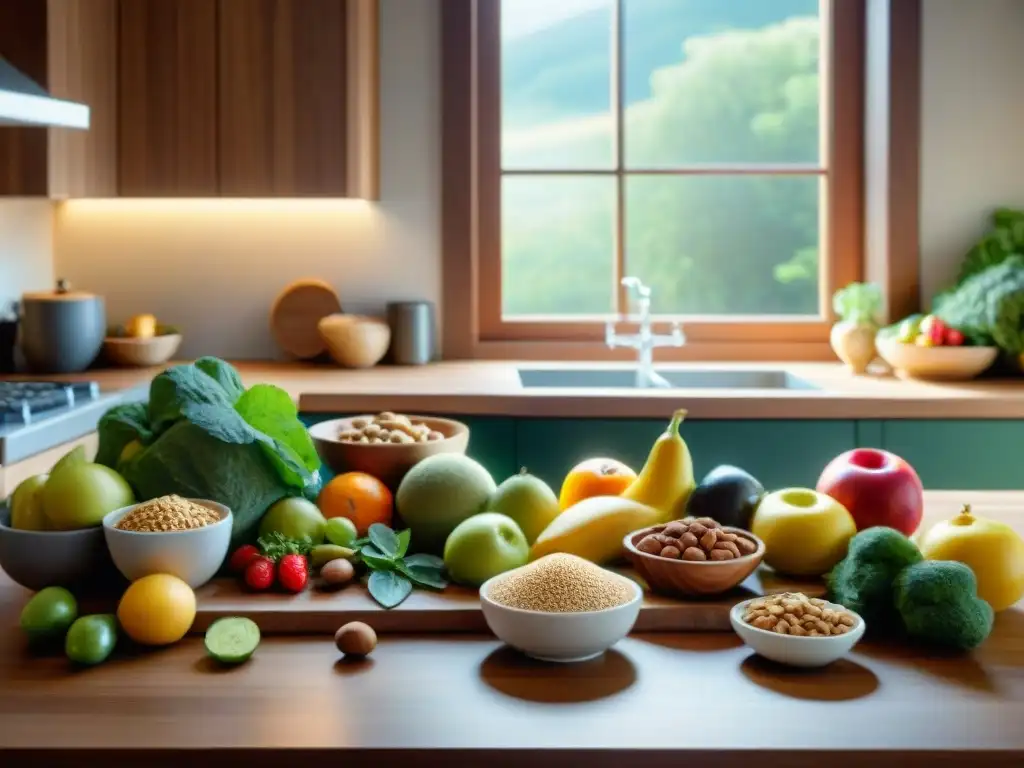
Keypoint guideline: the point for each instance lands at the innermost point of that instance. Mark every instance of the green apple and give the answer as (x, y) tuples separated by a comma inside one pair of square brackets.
[(804, 532), (27, 505), (296, 518), (483, 546), (529, 501), (79, 494)]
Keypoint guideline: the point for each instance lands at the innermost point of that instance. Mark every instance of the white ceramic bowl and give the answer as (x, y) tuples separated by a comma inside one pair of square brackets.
[(560, 637), (193, 556), (792, 650), (910, 361)]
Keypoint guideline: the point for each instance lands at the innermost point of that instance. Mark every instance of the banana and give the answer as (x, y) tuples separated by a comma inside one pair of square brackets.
[(594, 528)]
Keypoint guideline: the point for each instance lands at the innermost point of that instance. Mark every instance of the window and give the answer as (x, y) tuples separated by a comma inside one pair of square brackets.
[(712, 148)]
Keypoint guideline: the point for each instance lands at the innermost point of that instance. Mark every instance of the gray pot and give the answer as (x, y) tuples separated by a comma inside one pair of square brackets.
[(61, 331)]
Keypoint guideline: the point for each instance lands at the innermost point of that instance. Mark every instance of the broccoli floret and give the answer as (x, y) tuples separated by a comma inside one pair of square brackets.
[(939, 604), (863, 580), (988, 307)]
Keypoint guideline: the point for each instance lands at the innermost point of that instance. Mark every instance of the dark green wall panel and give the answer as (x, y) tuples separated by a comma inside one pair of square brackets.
[(779, 453), (961, 454)]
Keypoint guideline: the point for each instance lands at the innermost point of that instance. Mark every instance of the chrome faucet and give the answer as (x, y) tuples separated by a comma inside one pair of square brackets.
[(645, 341)]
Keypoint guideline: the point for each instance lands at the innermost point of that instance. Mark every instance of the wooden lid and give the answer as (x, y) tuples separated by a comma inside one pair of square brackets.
[(62, 292), (295, 314)]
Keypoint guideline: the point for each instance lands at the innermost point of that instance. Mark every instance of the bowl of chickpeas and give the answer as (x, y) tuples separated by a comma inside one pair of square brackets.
[(386, 445)]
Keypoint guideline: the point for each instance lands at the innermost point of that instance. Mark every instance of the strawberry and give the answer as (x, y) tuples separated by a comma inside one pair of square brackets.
[(241, 558), (259, 574), (292, 573)]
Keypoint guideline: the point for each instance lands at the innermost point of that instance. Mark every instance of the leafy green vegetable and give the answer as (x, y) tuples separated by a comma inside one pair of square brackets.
[(1004, 240), (988, 307), (389, 588), (122, 425), (203, 435), (383, 552), (858, 303)]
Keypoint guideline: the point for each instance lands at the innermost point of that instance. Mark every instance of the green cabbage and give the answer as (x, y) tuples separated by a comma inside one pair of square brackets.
[(202, 434), (988, 307)]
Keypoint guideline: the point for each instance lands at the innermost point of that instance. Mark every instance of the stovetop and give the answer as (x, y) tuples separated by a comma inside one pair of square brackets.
[(25, 402)]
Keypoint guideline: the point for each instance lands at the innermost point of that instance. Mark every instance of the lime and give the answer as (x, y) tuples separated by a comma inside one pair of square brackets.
[(233, 639), (341, 531), (49, 613), (91, 639)]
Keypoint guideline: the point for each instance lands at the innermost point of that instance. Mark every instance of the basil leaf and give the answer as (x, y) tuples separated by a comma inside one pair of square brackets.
[(360, 542), (375, 559), (424, 577), (425, 561), (403, 542), (384, 539), (389, 588)]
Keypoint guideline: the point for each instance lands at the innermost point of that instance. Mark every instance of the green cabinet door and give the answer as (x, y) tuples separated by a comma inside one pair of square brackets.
[(779, 453), (970, 454), (492, 441)]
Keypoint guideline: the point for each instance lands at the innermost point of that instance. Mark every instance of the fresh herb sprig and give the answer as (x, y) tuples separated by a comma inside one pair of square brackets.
[(276, 545), (393, 573)]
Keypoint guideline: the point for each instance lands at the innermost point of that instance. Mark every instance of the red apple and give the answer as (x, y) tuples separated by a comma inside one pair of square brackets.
[(877, 487)]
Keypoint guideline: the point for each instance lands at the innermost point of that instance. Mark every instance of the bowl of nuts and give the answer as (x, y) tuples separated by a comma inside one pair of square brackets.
[(792, 628), (694, 556), (386, 445)]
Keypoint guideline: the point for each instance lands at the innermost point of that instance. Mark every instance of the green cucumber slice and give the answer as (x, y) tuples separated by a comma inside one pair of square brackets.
[(232, 640)]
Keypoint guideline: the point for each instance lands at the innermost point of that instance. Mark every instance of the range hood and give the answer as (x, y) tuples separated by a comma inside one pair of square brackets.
[(23, 102)]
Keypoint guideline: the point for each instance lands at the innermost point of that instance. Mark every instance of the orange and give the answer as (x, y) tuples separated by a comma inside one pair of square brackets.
[(360, 497), (594, 477)]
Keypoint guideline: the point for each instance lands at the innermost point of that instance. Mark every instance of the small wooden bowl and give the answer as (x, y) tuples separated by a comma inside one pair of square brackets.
[(388, 462), (688, 578), (141, 352), (909, 361), (355, 341)]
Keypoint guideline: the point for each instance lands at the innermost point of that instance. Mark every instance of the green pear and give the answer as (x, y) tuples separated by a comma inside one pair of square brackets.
[(529, 501), (27, 505)]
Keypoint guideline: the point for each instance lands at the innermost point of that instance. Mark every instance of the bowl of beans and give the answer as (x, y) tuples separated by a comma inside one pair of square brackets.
[(386, 445), (792, 628), (187, 538), (693, 556), (560, 608)]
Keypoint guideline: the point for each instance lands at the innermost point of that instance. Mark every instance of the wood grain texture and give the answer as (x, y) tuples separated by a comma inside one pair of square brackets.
[(83, 39), (493, 388), (295, 313), (23, 151), (283, 106), (362, 75), (168, 98), (465, 700)]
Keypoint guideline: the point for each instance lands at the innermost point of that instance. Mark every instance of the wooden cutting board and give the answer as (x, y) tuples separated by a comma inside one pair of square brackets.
[(295, 313), (456, 609)]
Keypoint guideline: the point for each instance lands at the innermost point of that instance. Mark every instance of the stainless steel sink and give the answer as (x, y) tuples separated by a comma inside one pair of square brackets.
[(707, 378)]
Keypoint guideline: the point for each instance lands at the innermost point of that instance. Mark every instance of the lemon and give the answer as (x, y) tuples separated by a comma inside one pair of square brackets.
[(157, 609)]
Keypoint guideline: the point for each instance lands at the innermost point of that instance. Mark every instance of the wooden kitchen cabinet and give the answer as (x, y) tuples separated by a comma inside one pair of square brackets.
[(167, 100), (69, 47)]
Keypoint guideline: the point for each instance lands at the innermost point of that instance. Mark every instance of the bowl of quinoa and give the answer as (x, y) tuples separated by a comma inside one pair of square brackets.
[(187, 538), (561, 608)]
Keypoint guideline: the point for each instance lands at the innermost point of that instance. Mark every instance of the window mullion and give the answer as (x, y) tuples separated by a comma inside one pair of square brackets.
[(619, 126)]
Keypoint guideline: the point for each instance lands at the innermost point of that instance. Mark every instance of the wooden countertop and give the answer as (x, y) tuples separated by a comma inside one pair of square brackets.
[(493, 388), (695, 699)]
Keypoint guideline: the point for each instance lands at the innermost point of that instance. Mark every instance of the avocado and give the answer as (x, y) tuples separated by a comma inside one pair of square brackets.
[(727, 494)]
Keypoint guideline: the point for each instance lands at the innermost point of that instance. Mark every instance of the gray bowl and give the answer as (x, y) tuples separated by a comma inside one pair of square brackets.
[(38, 559)]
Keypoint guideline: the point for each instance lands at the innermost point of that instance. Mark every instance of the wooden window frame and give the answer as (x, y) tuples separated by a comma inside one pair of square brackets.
[(471, 201)]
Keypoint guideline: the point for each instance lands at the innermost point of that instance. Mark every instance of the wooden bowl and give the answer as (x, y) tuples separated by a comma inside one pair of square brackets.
[(909, 361), (688, 578), (141, 352), (355, 341), (387, 462)]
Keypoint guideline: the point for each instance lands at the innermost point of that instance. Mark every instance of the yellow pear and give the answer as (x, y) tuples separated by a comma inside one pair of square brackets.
[(993, 550), (666, 481)]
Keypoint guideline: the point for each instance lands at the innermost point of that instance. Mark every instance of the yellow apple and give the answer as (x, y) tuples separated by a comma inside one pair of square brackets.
[(804, 532)]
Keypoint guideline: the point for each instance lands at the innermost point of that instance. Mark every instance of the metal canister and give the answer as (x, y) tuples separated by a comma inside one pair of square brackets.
[(412, 332)]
